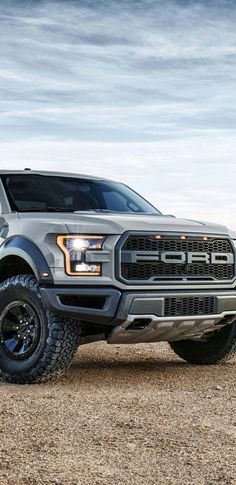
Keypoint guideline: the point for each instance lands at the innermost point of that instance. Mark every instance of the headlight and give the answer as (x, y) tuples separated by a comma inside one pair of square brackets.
[(234, 241), (75, 249)]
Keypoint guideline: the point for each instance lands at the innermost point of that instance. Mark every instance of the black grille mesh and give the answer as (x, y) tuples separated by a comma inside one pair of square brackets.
[(149, 243), (157, 271), (145, 271), (188, 306)]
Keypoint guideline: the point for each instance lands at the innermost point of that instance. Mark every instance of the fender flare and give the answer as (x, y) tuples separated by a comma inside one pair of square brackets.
[(28, 251)]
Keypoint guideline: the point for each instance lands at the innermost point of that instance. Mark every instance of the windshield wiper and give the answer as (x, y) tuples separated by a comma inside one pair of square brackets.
[(47, 209), (60, 209), (109, 211), (78, 211), (94, 210)]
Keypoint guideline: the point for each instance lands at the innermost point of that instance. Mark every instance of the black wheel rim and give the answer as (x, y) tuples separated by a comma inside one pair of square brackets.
[(20, 330)]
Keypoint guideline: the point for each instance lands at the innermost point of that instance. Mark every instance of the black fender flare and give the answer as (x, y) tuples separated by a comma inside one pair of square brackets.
[(27, 250)]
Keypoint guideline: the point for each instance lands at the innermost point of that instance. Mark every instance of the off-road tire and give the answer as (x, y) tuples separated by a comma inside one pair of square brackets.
[(217, 349), (58, 340)]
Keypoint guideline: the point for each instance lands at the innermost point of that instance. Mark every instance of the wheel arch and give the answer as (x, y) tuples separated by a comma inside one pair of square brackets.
[(19, 255)]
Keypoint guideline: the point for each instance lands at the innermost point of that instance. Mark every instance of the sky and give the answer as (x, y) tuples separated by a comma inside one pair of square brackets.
[(139, 91)]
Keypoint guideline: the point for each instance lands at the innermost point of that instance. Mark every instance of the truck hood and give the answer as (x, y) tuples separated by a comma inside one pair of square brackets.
[(119, 223)]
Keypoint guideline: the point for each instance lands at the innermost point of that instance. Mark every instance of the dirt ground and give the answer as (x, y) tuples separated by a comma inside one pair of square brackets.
[(122, 415)]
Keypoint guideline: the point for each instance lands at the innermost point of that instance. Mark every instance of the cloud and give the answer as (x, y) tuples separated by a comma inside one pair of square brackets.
[(143, 91)]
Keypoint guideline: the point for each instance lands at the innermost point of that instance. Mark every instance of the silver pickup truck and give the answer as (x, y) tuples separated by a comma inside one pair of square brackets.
[(84, 259)]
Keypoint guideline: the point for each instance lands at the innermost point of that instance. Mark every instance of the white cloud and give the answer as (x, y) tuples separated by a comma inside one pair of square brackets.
[(138, 91)]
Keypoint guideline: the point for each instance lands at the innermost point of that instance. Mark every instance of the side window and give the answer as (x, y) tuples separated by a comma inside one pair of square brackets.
[(3, 226), (2, 223)]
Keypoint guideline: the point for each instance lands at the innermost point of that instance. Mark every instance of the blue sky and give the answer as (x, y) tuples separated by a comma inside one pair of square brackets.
[(139, 91)]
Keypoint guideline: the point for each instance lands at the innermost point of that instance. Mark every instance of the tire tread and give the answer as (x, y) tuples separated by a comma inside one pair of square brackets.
[(61, 343)]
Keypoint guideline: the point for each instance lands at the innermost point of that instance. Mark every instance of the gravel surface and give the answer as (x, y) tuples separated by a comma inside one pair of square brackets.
[(122, 415)]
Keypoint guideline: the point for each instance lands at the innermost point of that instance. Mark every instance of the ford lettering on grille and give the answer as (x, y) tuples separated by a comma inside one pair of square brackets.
[(151, 259), (181, 257)]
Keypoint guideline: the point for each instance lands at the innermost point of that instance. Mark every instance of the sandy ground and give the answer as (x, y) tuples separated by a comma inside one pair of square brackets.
[(122, 415)]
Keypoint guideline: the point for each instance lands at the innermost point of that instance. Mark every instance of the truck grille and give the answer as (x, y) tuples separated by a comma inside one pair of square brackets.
[(188, 306), (139, 261), (149, 243), (145, 271)]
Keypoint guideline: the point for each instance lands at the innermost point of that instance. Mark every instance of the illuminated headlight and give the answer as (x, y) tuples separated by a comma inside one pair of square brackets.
[(75, 249)]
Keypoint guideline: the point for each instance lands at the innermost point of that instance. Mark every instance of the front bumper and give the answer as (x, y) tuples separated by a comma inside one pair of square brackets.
[(113, 307), (140, 316)]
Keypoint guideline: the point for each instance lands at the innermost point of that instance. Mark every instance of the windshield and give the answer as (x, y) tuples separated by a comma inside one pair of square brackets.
[(43, 193)]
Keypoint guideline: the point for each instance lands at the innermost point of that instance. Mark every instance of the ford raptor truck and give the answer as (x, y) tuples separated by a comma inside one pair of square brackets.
[(84, 259)]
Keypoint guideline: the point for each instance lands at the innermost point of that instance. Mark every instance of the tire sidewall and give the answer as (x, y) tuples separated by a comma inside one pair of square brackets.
[(13, 292)]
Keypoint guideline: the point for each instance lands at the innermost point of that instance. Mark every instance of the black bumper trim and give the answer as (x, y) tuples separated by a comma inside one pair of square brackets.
[(51, 298)]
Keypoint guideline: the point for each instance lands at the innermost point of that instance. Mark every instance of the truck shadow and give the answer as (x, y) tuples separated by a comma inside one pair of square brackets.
[(133, 369)]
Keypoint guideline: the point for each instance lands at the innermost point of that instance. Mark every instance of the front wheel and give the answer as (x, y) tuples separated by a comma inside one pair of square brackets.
[(35, 344), (215, 349)]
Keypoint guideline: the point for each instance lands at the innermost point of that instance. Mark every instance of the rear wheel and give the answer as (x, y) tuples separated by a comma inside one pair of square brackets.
[(214, 349), (35, 344)]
